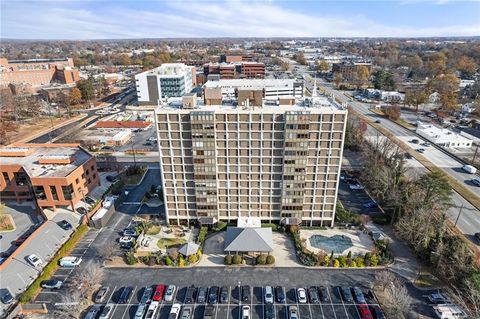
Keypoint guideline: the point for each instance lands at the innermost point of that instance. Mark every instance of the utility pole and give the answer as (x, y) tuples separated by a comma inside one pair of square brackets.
[(458, 216), (134, 158), (475, 154)]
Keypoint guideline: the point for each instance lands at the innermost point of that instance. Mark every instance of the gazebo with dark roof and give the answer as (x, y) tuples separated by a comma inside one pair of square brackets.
[(246, 240)]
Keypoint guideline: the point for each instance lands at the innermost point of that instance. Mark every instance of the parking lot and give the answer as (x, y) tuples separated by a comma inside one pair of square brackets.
[(335, 308)]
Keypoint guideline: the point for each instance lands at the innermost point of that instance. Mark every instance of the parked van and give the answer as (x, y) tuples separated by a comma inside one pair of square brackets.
[(469, 169), (450, 311)]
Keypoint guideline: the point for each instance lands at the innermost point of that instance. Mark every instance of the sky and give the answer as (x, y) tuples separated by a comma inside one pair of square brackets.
[(124, 19)]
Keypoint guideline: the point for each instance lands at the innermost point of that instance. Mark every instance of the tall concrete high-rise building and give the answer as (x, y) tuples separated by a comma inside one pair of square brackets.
[(279, 162), (165, 81)]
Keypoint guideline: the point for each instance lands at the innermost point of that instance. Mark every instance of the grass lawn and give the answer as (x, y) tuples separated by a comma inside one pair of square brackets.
[(6, 223), (427, 280), (169, 242), (153, 230)]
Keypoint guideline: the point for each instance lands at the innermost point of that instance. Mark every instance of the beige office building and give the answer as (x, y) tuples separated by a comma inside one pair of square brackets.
[(278, 162)]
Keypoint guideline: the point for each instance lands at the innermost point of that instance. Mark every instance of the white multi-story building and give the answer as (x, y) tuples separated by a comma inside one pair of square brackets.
[(168, 80), (273, 88), (279, 163)]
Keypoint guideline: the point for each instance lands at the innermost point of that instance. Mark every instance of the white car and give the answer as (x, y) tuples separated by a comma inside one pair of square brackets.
[(70, 261), (268, 294), (169, 292), (152, 310), (356, 186), (302, 295), (175, 311), (246, 312), (107, 311), (126, 240), (34, 260)]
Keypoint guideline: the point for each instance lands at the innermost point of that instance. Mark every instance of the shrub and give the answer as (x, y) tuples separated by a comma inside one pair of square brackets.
[(359, 261), (353, 264), (326, 260), (373, 260), (130, 258), (381, 219), (274, 227), (336, 263), (343, 261), (152, 260), (199, 253), (168, 261), (270, 260), (344, 216), (52, 266), (349, 255), (159, 260), (220, 226), (228, 259), (237, 259), (261, 259), (181, 262), (192, 258), (202, 234)]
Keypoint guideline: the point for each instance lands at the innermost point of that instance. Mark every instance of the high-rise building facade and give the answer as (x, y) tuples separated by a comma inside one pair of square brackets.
[(280, 163), (168, 80)]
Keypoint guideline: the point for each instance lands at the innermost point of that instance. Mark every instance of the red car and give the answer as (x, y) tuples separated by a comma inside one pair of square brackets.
[(159, 292), (364, 312)]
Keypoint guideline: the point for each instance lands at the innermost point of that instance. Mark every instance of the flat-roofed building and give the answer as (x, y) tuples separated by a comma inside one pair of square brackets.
[(165, 81), (235, 70), (56, 175), (279, 163)]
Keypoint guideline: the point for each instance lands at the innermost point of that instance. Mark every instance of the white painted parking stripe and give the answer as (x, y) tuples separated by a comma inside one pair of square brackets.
[(331, 301), (343, 303)]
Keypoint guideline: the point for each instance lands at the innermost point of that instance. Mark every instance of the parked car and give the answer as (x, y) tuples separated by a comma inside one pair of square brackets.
[(209, 312), (146, 295), (170, 292), (323, 292), (152, 310), (377, 312), (370, 204), (377, 121), (112, 178), (469, 169), (34, 260), (125, 295), (213, 295), (301, 295), (186, 313), (19, 241), (245, 293), (51, 284), (140, 312), (245, 312), (65, 224), (70, 261), (190, 295), (420, 150), (126, 241), (268, 291), (107, 311), (426, 144), (438, 298), (476, 182), (346, 294), (408, 156), (292, 312), (269, 311), (364, 312), (159, 292), (313, 295), (174, 311), (280, 294), (89, 200), (7, 297), (224, 294), (415, 141), (477, 236), (93, 312), (129, 232), (101, 294), (357, 292), (356, 186), (202, 295), (82, 210)]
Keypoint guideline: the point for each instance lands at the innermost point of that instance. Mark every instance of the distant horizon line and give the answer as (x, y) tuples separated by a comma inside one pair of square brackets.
[(241, 38)]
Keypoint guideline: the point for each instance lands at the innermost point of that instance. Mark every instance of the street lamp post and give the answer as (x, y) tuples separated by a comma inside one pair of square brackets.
[(458, 216)]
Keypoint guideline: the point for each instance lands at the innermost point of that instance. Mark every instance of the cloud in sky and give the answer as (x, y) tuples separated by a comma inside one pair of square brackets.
[(223, 18)]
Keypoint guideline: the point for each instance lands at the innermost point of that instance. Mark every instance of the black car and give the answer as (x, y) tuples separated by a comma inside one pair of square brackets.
[(377, 312), (377, 121), (313, 295), (7, 297), (201, 295), (246, 293), (269, 311), (125, 295), (280, 294), (408, 156), (224, 295), (112, 178), (323, 292), (65, 225), (89, 200), (82, 210), (213, 295), (346, 294), (190, 294)]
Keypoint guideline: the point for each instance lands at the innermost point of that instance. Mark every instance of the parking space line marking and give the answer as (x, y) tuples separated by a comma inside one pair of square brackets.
[(228, 303), (343, 303), (309, 303), (128, 303), (321, 309), (331, 301)]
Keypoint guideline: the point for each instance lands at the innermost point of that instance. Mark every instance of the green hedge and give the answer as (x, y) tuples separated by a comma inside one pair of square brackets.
[(202, 234), (274, 227), (52, 266)]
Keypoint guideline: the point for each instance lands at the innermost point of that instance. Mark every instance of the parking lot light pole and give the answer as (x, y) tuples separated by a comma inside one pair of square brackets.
[(458, 216)]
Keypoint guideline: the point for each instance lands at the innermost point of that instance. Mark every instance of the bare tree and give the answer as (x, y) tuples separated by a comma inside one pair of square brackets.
[(384, 279), (106, 251), (88, 279), (71, 306), (467, 298), (398, 299)]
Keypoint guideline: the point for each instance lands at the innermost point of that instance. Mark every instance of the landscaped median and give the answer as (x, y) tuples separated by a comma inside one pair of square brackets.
[(52, 266)]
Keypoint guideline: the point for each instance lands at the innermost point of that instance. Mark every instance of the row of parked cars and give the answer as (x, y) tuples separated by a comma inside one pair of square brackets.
[(443, 307)]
